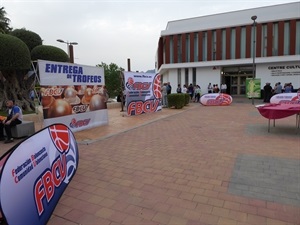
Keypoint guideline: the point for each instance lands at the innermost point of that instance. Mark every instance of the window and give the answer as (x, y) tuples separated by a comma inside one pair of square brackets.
[(187, 48), (298, 38), (179, 49), (286, 43), (204, 47), (171, 50), (264, 40), (243, 42), (195, 47), (275, 40), (232, 44), (214, 45), (223, 44)]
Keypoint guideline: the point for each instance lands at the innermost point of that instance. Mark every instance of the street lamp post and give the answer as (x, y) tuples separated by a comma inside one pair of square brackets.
[(253, 52), (70, 49)]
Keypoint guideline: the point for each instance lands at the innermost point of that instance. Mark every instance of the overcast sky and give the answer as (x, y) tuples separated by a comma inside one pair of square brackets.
[(113, 31)]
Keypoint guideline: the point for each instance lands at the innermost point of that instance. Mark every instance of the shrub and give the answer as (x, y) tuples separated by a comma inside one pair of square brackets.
[(176, 100), (186, 98)]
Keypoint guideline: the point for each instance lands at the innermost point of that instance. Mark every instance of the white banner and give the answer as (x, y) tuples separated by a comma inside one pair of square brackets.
[(143, 92), (36, 173), (59, 73), (73, 95), (286, 98)]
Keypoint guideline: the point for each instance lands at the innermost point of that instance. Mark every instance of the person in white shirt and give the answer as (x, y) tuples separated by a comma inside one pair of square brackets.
[(223, 88), (184, 90), (210, 88)]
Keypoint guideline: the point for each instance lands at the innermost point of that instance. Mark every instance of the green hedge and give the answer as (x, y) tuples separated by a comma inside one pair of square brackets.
[(176, 100), (187, 98)]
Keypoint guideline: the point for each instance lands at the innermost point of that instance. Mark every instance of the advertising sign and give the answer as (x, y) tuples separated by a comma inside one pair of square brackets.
[(286, 98), (35, 174), (73, 95), (216, 99), (253, 89), (143, 93)]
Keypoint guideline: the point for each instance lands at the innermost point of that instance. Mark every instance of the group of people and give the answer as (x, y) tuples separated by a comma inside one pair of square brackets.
[(215, 88), (193, 90), (269, 91)]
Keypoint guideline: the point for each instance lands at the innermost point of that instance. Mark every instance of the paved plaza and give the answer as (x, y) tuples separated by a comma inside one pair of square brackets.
[(198, 165)]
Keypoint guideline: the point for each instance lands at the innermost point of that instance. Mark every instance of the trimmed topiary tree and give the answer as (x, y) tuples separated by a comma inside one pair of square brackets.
[(50, 53), (14, 64), (30, 38)]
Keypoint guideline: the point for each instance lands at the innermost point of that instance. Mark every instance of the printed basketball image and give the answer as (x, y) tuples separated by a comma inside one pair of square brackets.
[(59, 108), (224, 99), (130, 81), (156, 86), (216, 99), (60, 136)]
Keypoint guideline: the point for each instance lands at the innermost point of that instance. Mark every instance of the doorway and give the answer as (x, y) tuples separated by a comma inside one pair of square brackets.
[(235, 79)]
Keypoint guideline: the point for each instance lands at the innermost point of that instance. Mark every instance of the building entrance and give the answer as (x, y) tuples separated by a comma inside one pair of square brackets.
[(235, 79)]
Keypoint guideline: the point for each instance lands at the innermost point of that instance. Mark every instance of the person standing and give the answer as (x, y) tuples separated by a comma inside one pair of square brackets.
[(288, 88), (210, 88), (191, 91), (165, 95), (169, 88), (223, 88), (267, 92), (178, 90), (14, 117), (184, 90), (278, 88), (197, 93)]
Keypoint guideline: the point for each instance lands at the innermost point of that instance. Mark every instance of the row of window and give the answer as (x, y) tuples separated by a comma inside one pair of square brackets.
[(188, 50)]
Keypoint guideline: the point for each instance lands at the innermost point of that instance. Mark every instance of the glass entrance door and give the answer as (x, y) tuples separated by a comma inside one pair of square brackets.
[(238, 84), (235, 78)]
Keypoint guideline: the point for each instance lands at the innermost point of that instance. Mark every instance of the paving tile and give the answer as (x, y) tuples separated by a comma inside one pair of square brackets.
[(179, 167)]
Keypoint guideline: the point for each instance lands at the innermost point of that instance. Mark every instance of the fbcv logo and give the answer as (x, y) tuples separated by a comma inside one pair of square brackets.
[(131, 85)]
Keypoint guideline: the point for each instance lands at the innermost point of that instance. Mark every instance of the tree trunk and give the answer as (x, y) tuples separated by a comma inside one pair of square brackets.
[(14, 86)]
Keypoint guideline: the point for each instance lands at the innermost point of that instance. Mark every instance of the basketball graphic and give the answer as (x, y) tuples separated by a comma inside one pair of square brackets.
[(156, 86), (296, 98), (216, 99), (225, 99), (130, 83), (60, 137)]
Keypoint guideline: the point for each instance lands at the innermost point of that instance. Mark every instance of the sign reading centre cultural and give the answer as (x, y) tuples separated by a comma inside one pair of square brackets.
[(73, 95), (35, 174), (284, 70), (143, 93)]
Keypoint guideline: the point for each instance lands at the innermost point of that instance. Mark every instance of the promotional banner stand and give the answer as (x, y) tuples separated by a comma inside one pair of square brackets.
[(37, 81)]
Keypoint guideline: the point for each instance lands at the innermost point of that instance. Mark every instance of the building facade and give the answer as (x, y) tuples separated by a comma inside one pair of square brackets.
[(230, 47)]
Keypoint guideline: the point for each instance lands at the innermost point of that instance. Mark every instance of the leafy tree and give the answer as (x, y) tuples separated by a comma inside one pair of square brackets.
[(14, 65), (112, 78), (51, 53), (30, 38), (4, 21)]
